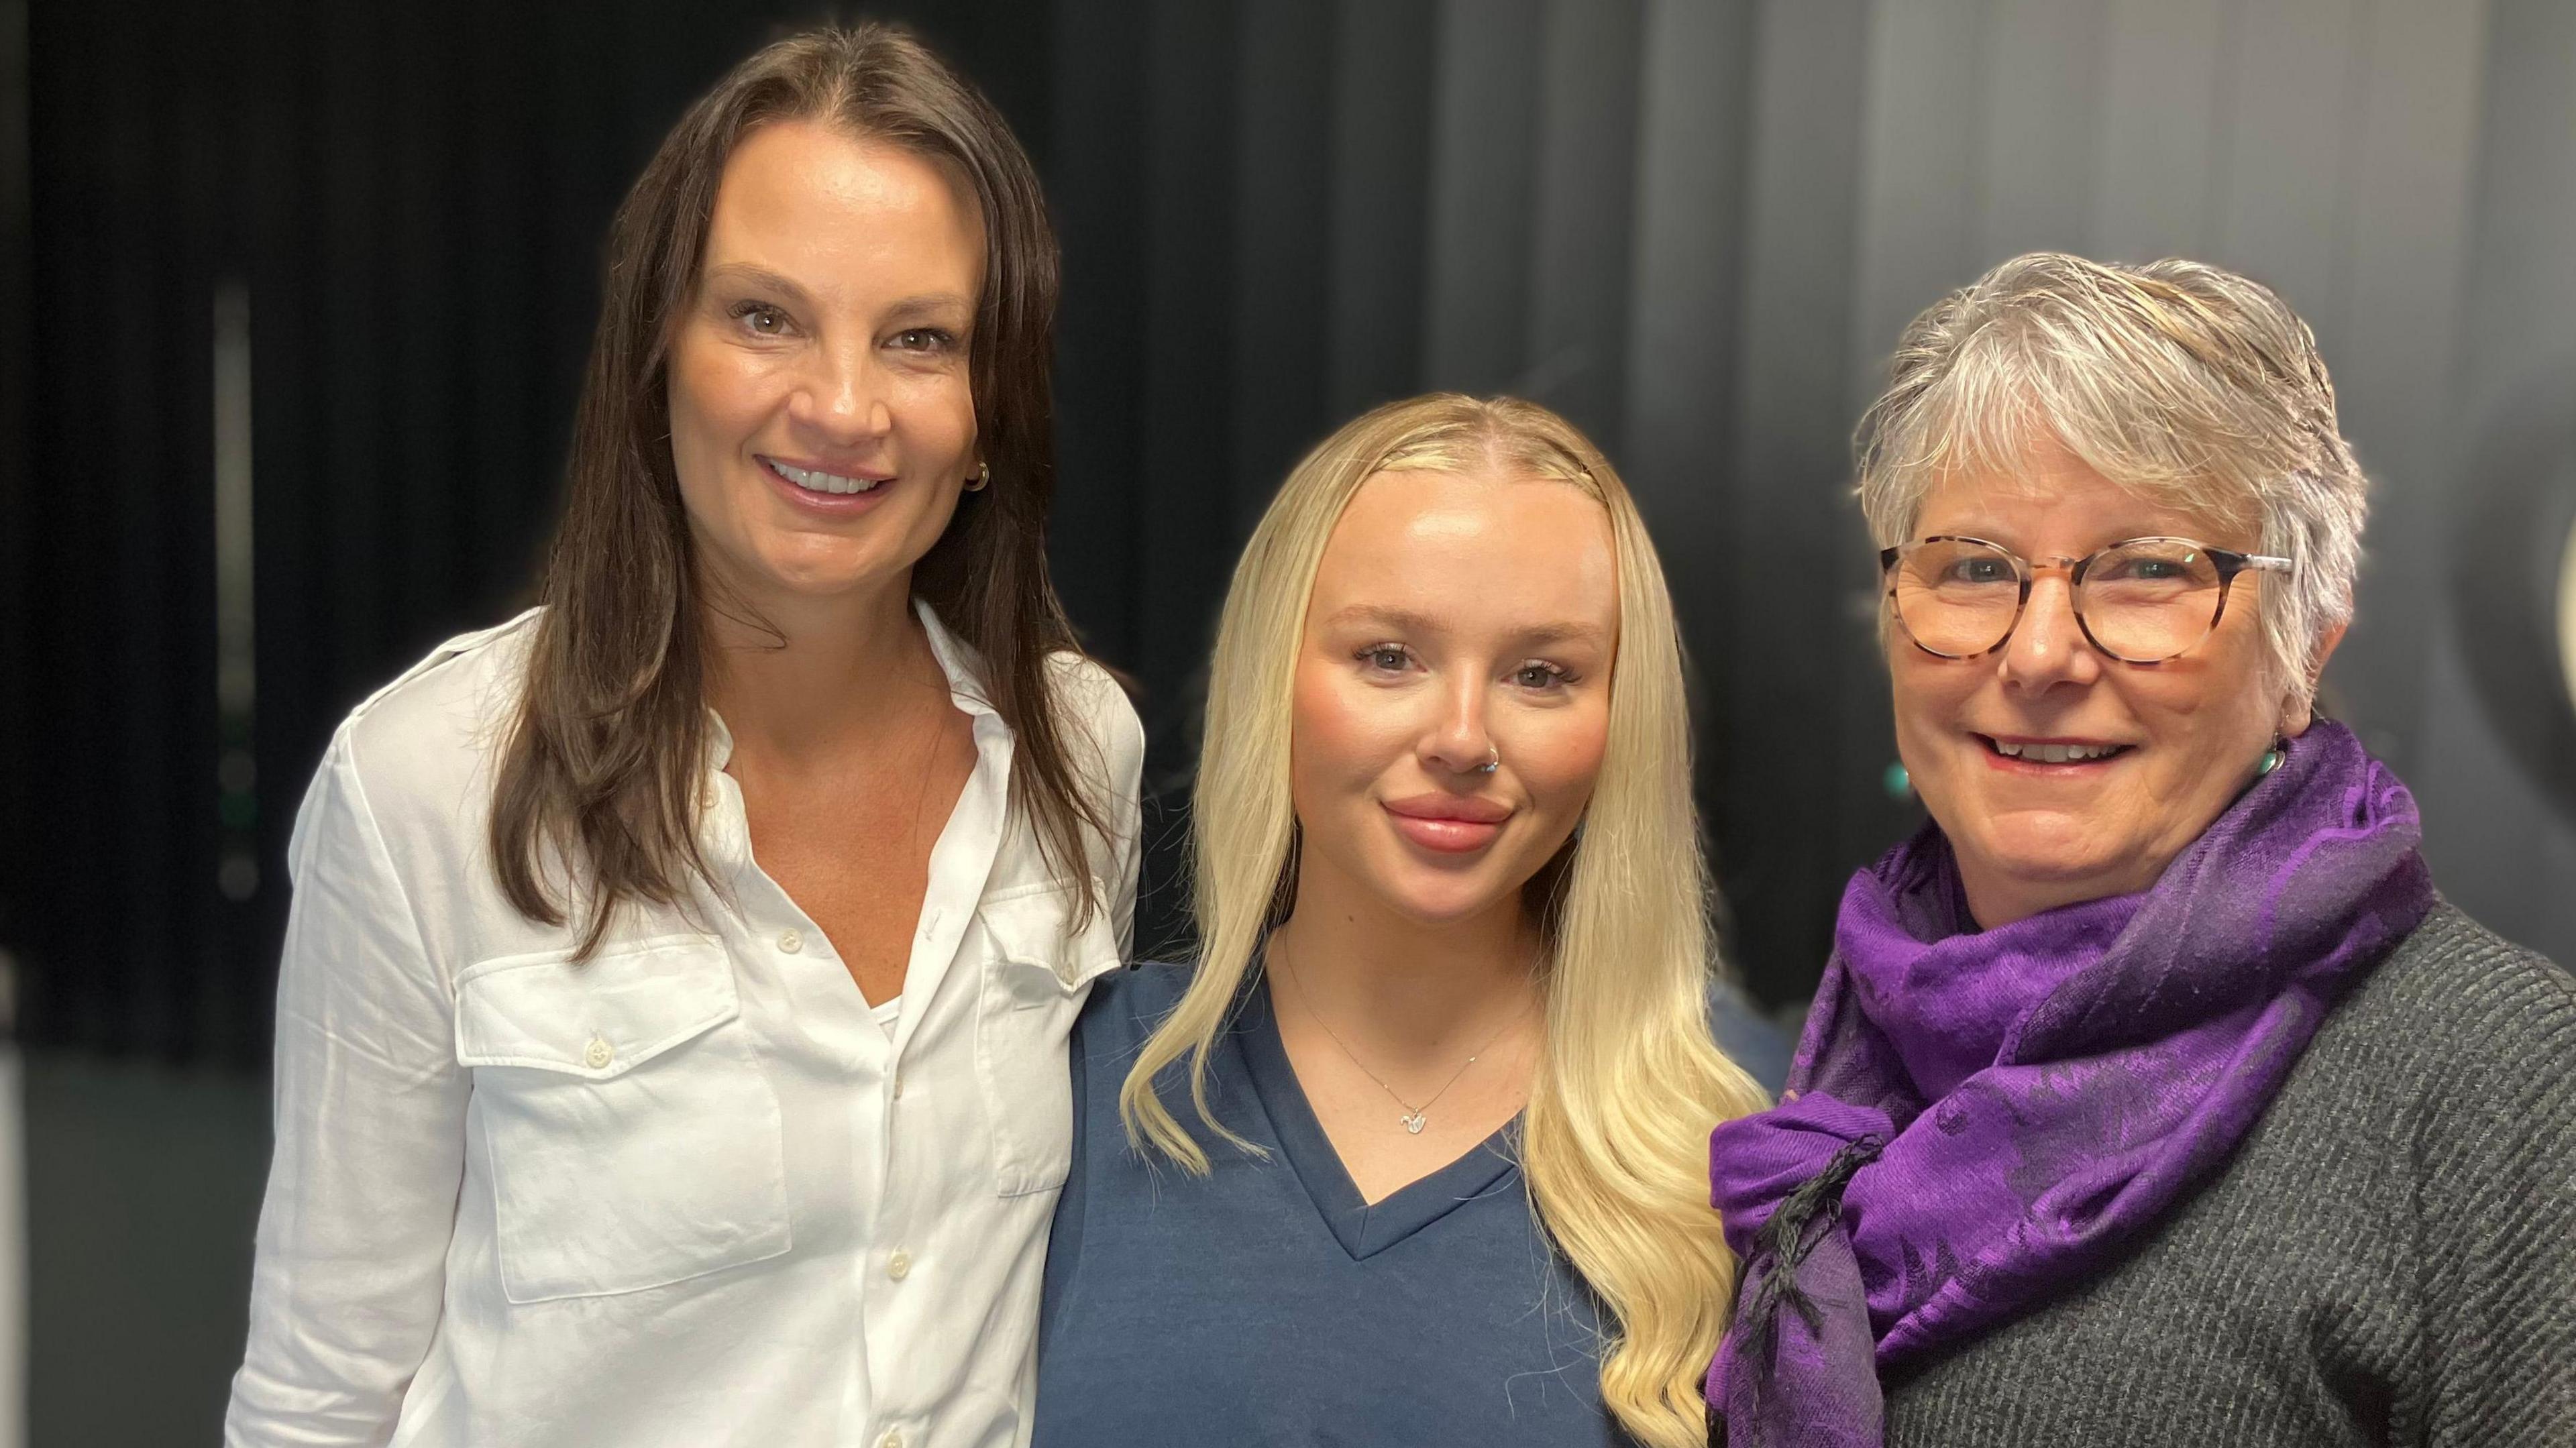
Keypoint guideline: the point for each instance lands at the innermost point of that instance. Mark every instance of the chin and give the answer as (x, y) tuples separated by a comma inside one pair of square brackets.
[(1442, 900), (2052, 848), (824, 573), (2044, 844)]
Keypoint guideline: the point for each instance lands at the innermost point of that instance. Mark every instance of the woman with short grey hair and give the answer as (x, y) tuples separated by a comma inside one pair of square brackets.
[(2153, 1094)]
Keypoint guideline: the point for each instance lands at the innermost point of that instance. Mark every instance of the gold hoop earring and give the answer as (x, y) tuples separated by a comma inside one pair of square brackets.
[(983, 477)]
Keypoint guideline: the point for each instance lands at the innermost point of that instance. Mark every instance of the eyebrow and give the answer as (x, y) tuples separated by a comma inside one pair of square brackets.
[(942, 307), (1403, 620), (760, 277)]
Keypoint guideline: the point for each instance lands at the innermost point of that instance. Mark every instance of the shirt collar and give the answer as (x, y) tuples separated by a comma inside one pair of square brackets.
[(966, 669)]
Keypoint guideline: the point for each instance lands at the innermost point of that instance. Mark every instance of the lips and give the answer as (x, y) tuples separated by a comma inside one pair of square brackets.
[(1448, 824)]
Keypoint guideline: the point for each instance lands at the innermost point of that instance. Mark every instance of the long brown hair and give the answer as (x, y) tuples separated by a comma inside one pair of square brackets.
[(597, 797)]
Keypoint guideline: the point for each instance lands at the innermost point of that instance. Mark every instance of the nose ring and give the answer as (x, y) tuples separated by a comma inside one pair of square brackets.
[(1493, 761)]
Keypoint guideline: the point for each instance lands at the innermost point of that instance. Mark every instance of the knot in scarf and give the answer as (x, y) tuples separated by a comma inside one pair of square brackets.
[(1977, 1119)]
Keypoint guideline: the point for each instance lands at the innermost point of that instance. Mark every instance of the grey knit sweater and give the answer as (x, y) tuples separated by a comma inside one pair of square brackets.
[(2389, 1259)]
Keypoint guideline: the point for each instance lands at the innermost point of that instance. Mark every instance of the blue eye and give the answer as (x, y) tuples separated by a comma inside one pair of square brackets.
[(1387, 658), (1539, 674)]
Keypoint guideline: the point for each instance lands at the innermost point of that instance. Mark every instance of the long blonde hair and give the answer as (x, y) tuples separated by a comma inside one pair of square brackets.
[(1629, 1082)]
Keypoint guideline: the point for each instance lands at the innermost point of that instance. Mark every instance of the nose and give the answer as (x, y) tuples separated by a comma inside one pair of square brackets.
[(2048, 647), (1460, 740), (839, 397)]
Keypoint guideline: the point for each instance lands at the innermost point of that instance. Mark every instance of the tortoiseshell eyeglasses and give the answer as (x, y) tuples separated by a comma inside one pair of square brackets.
[(2141, 601)]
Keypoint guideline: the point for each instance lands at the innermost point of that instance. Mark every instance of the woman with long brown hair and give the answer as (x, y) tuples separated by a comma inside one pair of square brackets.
[(671, 1025)]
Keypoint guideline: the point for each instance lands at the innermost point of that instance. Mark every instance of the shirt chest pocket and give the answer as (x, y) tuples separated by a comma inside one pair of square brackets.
[(1036, 970), (632, 1138)]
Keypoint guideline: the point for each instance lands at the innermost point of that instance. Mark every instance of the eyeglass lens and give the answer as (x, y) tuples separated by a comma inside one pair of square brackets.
[(2142, 602)]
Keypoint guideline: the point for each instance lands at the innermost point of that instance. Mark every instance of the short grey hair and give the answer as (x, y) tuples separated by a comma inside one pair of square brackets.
[(2182, 382)]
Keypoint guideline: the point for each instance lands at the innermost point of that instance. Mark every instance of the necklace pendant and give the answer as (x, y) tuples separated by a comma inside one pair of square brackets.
[(1413, 1123)]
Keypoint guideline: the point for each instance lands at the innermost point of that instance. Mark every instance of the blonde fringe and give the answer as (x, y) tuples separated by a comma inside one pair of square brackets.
[(1629, 1082)]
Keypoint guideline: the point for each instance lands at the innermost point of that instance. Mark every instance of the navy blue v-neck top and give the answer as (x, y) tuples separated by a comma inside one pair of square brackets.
[(1268, 1304)]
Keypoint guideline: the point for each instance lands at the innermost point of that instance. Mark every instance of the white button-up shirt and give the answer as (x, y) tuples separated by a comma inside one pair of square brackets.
[(694, 1190)]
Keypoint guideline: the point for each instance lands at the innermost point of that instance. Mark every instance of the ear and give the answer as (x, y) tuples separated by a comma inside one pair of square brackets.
[(2296, 713)]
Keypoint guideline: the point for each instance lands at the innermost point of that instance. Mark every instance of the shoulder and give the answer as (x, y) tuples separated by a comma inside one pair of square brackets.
[(414, 760), (1126, 1005), (2468, 1042), (444, 712), (1090, 697), (2457, 994)]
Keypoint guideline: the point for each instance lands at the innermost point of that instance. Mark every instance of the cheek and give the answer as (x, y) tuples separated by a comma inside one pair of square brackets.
[(1927, 695), (718, 401), (1346, 734), (933, 419), (1557, 755), (2201, 718)]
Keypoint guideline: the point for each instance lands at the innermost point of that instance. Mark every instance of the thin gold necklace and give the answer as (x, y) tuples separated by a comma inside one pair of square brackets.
[(1414, 1116)]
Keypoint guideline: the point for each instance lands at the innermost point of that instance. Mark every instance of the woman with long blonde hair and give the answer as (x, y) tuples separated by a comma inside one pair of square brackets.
[(1416, 1151)]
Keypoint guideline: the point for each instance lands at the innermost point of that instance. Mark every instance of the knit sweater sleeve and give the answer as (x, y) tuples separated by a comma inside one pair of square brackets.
[(2495, 1209)]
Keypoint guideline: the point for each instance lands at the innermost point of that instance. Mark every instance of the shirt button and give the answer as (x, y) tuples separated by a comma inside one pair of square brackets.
[(790, 941), (898, 1083), (598, 1053), (899, 1266), (892, 1439)]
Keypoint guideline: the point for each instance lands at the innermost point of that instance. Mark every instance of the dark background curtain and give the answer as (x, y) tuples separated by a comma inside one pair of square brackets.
[(1695, 226)]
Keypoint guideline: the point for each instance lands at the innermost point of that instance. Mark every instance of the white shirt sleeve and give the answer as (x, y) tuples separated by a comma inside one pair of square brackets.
[(369, 1107)]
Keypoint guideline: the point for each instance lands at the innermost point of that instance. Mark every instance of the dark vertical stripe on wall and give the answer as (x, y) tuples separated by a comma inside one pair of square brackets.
[(1585, 204), (2159, 105), (1685, 303), (2043, 124), (1790, 649), (19, 845), (1096, 185), (1484, 132), (1384, 68), (2396, 349), (1283, 243), (1188, 476)]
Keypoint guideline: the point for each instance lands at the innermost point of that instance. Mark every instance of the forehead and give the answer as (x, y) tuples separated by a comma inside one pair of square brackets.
[(805, 197), (1474, 548), (2050, 500)]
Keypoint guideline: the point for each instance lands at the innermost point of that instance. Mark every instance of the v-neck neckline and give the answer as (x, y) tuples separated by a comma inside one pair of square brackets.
[(1363, 1228)]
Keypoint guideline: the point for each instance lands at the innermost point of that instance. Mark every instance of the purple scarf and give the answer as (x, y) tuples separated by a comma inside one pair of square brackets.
[(1978, 1119)]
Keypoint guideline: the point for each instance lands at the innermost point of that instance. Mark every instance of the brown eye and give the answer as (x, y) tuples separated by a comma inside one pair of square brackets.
[(761, 319)]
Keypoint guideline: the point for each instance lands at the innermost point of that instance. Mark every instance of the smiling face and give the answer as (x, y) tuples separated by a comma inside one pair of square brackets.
[(822, 421), (1454, 621), (2183, 737)]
